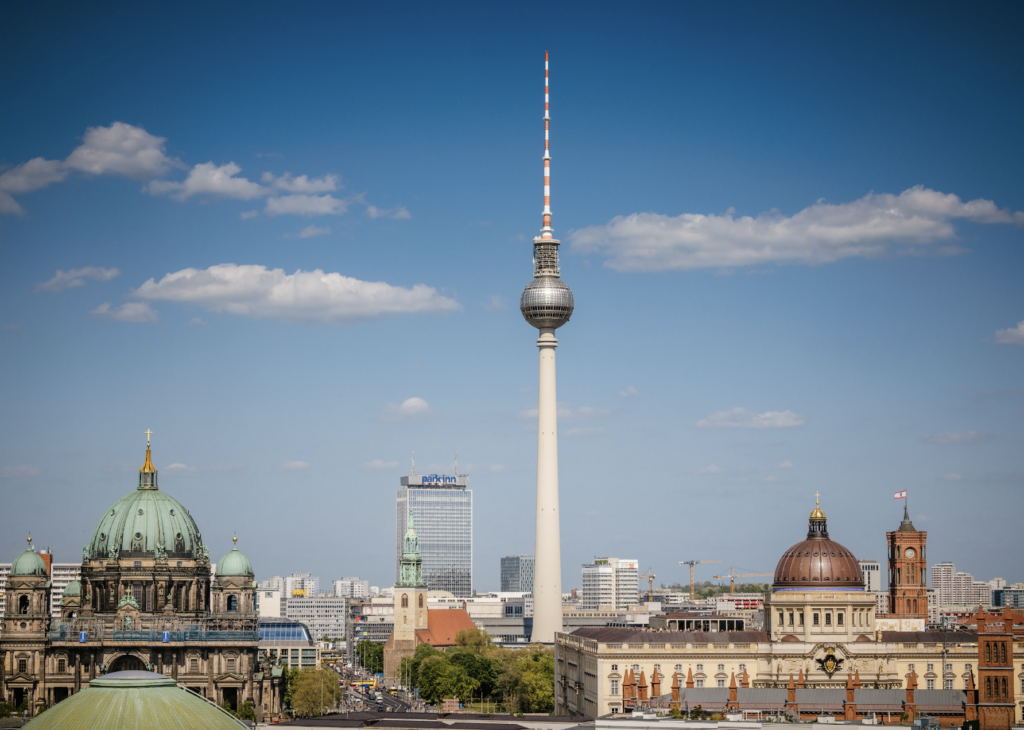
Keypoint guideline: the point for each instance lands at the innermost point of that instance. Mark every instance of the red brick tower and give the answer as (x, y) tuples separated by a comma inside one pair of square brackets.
[(995, 670), (908, 582)]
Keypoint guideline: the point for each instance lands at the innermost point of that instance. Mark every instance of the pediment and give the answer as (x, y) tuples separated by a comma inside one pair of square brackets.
[(228, 677)]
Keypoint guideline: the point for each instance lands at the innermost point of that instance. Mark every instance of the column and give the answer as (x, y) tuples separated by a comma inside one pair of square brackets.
[(547, 591)]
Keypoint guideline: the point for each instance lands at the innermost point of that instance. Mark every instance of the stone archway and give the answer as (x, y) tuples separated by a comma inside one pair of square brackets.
[(127, 663)]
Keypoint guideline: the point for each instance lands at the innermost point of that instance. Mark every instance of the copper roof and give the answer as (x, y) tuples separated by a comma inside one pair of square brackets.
[(818, 562)]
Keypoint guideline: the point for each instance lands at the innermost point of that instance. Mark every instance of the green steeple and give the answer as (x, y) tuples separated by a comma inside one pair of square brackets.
[(411, 571)]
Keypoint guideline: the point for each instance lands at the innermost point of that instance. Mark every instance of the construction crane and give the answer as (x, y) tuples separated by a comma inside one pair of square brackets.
[(650, 583), (733, 575), (692, 563)]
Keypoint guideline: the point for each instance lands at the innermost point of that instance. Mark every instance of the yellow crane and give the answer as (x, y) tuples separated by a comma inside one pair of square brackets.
[(733, 575), (692, 563), (650, 583)]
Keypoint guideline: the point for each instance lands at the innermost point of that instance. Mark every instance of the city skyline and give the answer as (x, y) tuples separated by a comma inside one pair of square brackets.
[(144, 279)]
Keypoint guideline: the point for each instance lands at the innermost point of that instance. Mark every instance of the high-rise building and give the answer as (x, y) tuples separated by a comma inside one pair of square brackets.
[(957, 588), (908, 583), (323, 615), (442, 507), (351, 587), (547, 304), (872, 572), (297, 585), (609, 582), (61, 574), (517, 574)]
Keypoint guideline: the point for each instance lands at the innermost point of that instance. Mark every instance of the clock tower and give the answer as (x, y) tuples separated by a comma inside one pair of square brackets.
[(908, 581)]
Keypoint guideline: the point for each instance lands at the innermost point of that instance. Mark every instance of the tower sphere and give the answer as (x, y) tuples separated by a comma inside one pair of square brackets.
[(546, 302)]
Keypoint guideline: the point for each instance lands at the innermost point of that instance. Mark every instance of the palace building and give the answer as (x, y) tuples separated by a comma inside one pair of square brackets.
[(146, 600), (822, 642)]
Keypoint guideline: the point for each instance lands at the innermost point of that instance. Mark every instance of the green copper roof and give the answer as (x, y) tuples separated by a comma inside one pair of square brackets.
[(28, 563), (144, 520), (74, 588), (141, 700), (234, 563)]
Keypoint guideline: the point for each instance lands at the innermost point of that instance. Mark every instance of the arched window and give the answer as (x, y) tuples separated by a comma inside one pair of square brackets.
[(1002, 658), (915, 605), (23, 604), (988, 687), (232, 603), (988, 652), (421, 600), (405, 600), (897, 552), (1004, 687)]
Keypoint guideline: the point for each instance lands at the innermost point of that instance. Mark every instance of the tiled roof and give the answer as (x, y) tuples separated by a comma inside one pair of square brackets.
[(879, 699), (442, 626), (709, 698), (820, 698), (936, 700), (611, 634)]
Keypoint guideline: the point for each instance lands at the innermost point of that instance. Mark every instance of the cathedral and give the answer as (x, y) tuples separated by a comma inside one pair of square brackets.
[(147, 599)]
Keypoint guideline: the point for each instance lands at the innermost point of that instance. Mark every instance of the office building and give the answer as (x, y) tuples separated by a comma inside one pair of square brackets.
[(288, 642), (442, 507), (275, 583), (301, 584), (608, 583), (1012, 597), (270, 602), (517, 574), (324, 615), (352, 587), (871, 570)]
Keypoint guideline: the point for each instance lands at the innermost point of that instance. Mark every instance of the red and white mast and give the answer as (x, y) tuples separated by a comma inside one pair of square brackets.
[(546, 230)]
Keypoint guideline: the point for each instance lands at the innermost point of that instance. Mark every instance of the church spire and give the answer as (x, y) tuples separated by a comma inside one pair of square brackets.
[(411, 569)]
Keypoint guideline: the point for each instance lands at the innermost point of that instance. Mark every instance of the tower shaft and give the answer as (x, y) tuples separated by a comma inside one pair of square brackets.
[(547, 572)]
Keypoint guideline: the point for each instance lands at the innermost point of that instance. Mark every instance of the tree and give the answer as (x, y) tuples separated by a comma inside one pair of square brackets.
[(441, 679), (226, 706), (422, 652), (5, 709), (247, 711), (316, 692), (290, 677), (371, 656), (526, 680), (473, 639)]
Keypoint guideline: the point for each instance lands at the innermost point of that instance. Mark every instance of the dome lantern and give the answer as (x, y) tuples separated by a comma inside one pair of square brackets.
[(147, 474), (235, 562), (28, 563), (818, 563)]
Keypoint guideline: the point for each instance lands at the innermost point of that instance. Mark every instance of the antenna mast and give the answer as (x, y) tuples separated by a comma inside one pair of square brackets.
[(546, 230)]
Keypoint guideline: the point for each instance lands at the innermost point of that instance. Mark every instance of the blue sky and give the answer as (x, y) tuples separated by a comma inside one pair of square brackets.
[(291, 240)]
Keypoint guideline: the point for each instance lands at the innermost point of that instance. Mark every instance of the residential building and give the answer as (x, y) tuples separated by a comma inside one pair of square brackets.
[(872, 572), (324, 615), (369, 620), (270, 602), (352, 587), (61, 574), (610, 582), (5, 570), (957, 588), (274, 583), (517, 574), (442, 507), (297, 585)]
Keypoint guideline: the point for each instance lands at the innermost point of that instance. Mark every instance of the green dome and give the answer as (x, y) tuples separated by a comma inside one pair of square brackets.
[(143, 520), (143, 700), (28, 563), (74, 588), (234, 563)]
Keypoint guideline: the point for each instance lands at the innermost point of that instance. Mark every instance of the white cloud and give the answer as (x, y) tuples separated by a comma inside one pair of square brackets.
[(302, 183), (198, 322), (9, 206), (821, 233), (21, 471), (497, 468), (410, 409), (180, 470), (127, 312), (310, 231), (311, 296), (785, 465), (121, 149), (32, 175), (711, 469), (76, 277), (744, 418), (568, 413), (306, 205), (246, 215), (1011, 335), (400, 213), (629, 392), (494, 303), (965, 437), (210, 179), (295, 465), (380, 465), (953, 477)]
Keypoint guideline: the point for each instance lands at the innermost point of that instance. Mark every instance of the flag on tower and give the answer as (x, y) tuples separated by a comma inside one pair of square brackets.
[(901, 495)]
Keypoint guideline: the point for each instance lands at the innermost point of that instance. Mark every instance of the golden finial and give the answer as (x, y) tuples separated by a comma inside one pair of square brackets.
[(30, 540), (148, 434), (817, 514), (235, 539), (147, 466)]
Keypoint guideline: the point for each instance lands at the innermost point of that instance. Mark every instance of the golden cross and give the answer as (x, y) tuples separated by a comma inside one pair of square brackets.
[(148, 434), (816, 495)]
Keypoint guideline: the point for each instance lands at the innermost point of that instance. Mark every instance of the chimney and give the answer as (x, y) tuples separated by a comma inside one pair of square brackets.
[(850, 708), (856, 680), (745, 681), (675, 690), (642, 687), (800, 683), (791, 691), (910, 707), (655, 684), (689, 678), (733, 699)]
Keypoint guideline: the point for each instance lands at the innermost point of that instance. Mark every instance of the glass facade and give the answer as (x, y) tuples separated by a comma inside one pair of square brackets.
[(517, 574), (442, 509)]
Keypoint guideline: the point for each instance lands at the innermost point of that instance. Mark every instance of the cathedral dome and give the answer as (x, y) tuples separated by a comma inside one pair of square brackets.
[(28, 563), (146, 521), (818, 563), (235, 563), (74, 588)]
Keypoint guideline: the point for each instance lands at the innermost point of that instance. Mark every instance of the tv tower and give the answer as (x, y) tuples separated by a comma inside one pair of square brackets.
[(547, 304)]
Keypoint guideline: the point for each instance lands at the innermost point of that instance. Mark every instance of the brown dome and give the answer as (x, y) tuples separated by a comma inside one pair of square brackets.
[(818, 563)]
